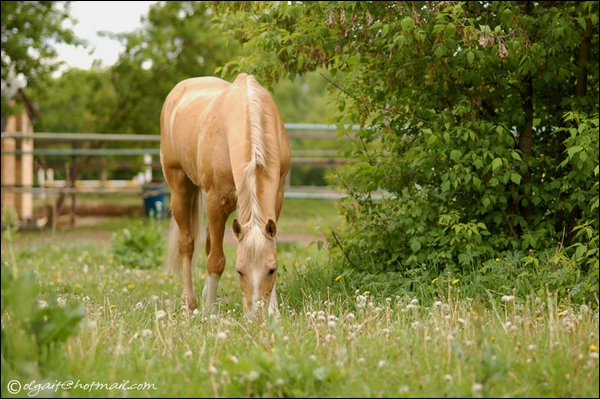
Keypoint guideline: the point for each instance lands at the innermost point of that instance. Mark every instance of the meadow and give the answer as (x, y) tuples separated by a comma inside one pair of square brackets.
[(83, 317)]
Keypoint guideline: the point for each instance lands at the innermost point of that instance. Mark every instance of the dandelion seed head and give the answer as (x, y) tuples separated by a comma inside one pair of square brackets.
[(253, 375), (222, 335), (160, 314), (476, 389), (188, 354)]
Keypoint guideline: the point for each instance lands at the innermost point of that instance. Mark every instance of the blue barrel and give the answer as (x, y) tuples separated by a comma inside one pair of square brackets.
[(155, 204)]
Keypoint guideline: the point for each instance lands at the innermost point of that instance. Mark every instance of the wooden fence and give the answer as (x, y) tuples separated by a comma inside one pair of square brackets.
[(47, 186)]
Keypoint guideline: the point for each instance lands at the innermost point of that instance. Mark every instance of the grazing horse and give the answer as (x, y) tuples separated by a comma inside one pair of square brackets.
[(228, 140)]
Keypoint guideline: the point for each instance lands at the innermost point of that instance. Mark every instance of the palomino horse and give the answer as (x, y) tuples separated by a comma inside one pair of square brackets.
[(228, 140)]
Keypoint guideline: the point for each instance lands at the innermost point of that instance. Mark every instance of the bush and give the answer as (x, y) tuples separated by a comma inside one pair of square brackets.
[(142, 245)]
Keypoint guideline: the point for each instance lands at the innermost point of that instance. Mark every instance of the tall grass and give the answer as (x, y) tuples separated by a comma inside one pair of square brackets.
[(331, 340)]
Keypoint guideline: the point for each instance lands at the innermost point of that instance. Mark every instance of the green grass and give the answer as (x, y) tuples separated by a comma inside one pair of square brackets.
[(327, 343)]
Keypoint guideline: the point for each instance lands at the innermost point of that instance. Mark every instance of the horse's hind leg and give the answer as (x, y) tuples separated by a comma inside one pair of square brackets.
[(184, 203)]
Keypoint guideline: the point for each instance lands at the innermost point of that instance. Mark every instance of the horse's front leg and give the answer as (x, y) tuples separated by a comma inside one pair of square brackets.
[(217, 211)]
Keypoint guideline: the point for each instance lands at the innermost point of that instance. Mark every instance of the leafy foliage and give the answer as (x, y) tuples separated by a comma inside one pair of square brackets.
[(29, 30), (466, 108), (32, 331), (142, 245)]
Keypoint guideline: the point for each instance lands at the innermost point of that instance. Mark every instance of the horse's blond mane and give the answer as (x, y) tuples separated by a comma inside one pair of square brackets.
[(248, 200)]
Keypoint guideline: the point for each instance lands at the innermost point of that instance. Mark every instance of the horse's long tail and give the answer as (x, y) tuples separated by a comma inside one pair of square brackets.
[(173, 258)]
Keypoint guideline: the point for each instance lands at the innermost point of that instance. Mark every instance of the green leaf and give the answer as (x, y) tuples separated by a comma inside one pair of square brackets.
[(455, 155), (515, 177), (496, 163), (506, 15), (470, 57), (450, 30)]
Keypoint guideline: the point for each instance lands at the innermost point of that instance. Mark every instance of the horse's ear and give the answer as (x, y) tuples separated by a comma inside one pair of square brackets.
[(237, 229), (271, 228)]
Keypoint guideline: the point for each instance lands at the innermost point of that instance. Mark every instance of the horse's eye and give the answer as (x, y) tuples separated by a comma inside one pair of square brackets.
[(272, 270)]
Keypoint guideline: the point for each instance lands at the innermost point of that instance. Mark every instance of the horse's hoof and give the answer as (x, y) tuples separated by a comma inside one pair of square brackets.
[(190, 304)]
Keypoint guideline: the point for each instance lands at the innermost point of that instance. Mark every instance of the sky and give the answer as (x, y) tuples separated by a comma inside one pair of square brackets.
[(94, 16)]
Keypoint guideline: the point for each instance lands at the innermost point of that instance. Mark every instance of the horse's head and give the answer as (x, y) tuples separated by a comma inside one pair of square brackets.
[(256, 265)]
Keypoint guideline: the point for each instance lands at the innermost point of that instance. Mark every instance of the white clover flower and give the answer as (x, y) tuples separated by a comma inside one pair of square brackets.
[(350, 316), (138, 306), (437, 304), (233, 359), (508, 298), (222, 335), (447, 377), (381, 363), (42, 304), (410, 306), (414, 301)]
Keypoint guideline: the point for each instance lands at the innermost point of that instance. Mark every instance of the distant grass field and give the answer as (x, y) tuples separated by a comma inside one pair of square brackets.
[(133, 339)]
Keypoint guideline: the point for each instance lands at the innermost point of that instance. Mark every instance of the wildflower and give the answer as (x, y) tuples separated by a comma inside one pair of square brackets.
[(508, 298), (146, 333), (455, 281), (414, 301), (279, 382), (435, 280), (437, 304), (403, 389), (593, 348), (531, 347), (233, 359), (476, 389), (350, 316), (338, 278), (497, 260), (160, 314), (382, 363), (253, 375), (448, 378), (188, 354), (212, 370), (130, 286), (42, 304), (138, 306), (61, 301), (222, 335)]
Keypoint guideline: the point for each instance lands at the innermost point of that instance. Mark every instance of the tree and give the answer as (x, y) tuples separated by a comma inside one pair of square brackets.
[(29, 31), (470, 114), (176, 42)]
